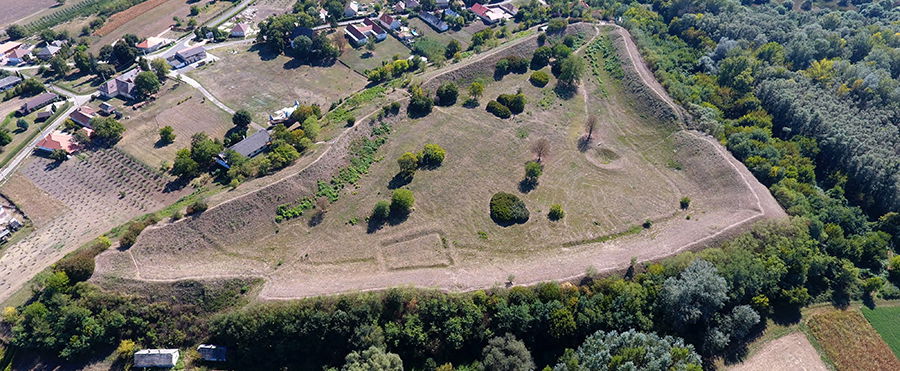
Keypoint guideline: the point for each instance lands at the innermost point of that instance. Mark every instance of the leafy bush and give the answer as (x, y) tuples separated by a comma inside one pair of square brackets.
[(515, 102), (556, 212), (533, 170), (539, 78), (408, 163), (498, 110), (432, 155), (506, 208), (382, 210), (446, 94), (684, 203), (420, 104), (402, 202), (197, 207)]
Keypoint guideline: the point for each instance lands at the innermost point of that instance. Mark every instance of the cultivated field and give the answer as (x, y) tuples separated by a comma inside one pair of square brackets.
[(850, 341), (16, 10), (151, 18), (636, 169), (179, 106), (266, 8), (886, 320), (262, 83), (74, 202), (787, 353)]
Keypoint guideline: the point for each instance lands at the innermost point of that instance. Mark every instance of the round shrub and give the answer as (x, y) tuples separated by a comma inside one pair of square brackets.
[(508, 209), (556, 212), (539, 78), (498, 110), (402, 201), (432, 156), (382, 210), (197, 207), (514, 102), (533, 169), (447, 94)]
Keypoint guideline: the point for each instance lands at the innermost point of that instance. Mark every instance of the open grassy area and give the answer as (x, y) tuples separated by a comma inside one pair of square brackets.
[(152, 18), (464, 36), (180, 106), (850, 341), (360, 59), (17, 10), (886, 320), (21, 138), (263, 83)]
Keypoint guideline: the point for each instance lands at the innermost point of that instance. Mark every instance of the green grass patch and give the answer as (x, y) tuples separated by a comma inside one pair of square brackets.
[(886, 320), (343, 111)]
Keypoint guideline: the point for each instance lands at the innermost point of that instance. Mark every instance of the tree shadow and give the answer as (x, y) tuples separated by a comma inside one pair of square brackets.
[(471, 103), (316, 219), (52, 165), (584, 143), (527, 185), (399, 180), (868, 301), (160, 143), (565, 91), (786, 315), (264, 52), (176, 185), (397, 218)]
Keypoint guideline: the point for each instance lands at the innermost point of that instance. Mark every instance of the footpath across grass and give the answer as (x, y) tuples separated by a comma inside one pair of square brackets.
[(886, 321)]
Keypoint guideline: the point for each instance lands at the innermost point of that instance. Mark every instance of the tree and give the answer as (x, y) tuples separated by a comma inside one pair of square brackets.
[(372, 359), (381, 211), (540, 148), (533, 170), (123, 54), (556, 212), (146, 84), (541, 57), (498, 110), (446, 94), (105, 71), (507, 354), (204, 149), (507, 209), (684, 203), (370, 46), (15, 32), (631, 350), (185, 166), (570, 70), (515, 102), (107, 130), (85, 62), (197, 207), (59, 155), (420, 104), (557, 25), (304, 111), (161, 68), (452, 48), (432, 155), (22, 124), (402, 202), (476, 89), (694, 296), (59, 65), (242, 118), (5, 137), (589, 126), (167, 134), (408, 162)]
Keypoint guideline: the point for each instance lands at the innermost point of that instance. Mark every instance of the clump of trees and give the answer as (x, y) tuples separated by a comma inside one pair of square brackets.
[(507, 209), (402, 202), (166, 135), (107, 131), (447, 94), (510, 64), (539, 78), (615, 350), (506, 105), (420, 103), (394, 69), (498, 110), (199, 157)]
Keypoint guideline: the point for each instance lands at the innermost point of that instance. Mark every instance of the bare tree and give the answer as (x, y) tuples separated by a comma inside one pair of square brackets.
[(341, 42), (540, 148), (590, 125)]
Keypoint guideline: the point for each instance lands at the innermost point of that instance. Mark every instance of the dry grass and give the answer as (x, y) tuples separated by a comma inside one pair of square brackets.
[(34, 202), (151, 18), (850, 341), (360, 60), (179, 106), (16, 10), (263, 83), (787, 353), (120, 18)]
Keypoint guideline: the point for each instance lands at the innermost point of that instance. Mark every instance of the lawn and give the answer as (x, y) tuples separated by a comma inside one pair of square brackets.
[(850, 342), (464, 36), (360, 59), (263, 83), (886, 320), (22, 137), (179, 106)]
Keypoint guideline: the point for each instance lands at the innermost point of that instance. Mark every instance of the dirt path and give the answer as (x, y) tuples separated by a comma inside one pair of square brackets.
[(667, 237), (791, 352)]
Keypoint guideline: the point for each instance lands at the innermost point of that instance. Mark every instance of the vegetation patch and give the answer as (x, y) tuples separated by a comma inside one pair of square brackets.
[(850, 342), (886, 320)]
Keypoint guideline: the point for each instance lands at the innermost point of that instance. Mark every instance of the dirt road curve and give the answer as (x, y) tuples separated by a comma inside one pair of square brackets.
[(788, 353)]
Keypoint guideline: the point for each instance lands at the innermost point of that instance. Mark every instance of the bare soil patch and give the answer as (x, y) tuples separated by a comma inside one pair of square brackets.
[(787, 353), (37, 204), (16, 10), (120, 18), (484, 155), (151, 18)]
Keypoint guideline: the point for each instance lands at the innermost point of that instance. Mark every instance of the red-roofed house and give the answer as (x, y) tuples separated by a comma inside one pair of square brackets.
[(389, 22), (83, 116), (58, 140), (488, 15), (240, 30), (18, 56), (359, 34), (152, 44)]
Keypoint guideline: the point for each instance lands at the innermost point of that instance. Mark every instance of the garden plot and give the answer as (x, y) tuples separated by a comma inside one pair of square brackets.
[(263, 83), (152, 18), (97, 191), (361, 59), (850, 341)]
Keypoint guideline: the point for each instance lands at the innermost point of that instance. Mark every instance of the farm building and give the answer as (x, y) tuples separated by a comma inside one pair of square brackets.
[(9, 82), (152, 44), (212, 353), (488, 15), (249, 147), (434, 21), (191, 55), (18, 56), (47, 52), (43, 116), (58, 140), (359, 34), (166, 358), (83, 115), (351, 9), (123, 85), (37, 102), (389, 22), (107, 109), (240, 30)]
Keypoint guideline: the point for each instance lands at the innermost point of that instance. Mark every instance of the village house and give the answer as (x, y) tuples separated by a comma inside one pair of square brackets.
[(165, 358), (18, 56), (212, 353), (9, 46), (121, 86), (191, 55), (107, 109), (509, 8), (488, 15), (323, 15), (47, 52), (411, 4), (359, 34), (83, 115), (240, 30), (249, 147), (9, 82), (152, 44), (351, 9), (434, 21), (389, 22), (58, 140), (37, 102), (400, 7)]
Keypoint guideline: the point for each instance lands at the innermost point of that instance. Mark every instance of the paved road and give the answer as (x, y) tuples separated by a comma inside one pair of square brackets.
[(78, 100)]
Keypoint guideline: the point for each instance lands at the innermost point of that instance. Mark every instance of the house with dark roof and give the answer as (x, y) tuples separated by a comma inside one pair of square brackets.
[(249, 147), (212, 353), (37, 102), (9, 82), (410, 4), (107, 109), (164, 358), (121, 86), (191, 55), (83, 115), (43, 116), (47, 52), (436, 23), (389, 22)]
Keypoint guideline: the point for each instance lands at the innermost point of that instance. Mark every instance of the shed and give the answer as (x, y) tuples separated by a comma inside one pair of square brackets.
[(9, 82), (212, 353), (165, 358)]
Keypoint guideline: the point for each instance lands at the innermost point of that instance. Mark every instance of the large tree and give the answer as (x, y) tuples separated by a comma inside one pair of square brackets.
[(507, 354), (694, 296), (107, 131), (146, 84), (630, 350), (372, 359)]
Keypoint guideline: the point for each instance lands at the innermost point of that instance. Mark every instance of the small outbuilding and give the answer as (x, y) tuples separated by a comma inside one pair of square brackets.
[(163, 358), (212, 353)]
